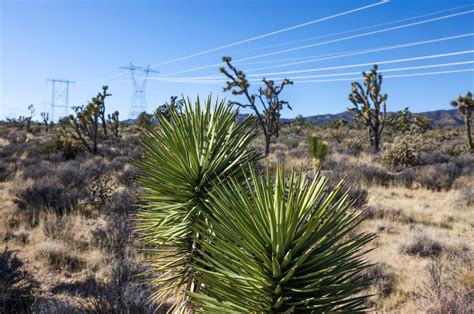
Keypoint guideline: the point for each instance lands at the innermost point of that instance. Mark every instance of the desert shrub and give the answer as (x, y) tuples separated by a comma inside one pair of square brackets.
[(292, 142), (5, 173), (56, 227), (57, 305), (354, 146), (356, 193), (404, 151), (113, 237), (16, 285), (70, 175), (465, 197), (439, 176), (372, 174), (12, 149), (59, 257), (121, 202), (407, 177), (123, 293), (423, 246), (118, 163), (465, 162), (128, 176), (437, 157), (40, 197), (444, 290), (100, 190), (381, 278), (38, 171)]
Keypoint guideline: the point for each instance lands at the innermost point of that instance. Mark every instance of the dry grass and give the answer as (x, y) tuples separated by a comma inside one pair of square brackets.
[(90, 250)]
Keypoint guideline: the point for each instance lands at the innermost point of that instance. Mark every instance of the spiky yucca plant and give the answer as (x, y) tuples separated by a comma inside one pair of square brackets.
[(189, 154), (285, 247), (318, 148)]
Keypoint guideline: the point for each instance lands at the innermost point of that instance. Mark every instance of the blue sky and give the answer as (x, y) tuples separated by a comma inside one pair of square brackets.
[(87, 41)]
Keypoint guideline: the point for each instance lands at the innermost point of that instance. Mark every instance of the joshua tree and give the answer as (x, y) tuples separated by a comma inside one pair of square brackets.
[(268, 118), (114, 123), (299, 124), (84, 126), (143, 119), (372, 110), (45, 117), (102, 97), (465, 106), (26, 120), (174, 104)]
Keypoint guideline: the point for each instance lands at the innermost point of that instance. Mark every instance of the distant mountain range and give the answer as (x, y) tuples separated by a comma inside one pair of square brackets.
[(443, 118)]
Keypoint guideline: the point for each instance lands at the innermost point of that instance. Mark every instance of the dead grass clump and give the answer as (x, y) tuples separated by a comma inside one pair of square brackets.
[(381, 278), (423, 246), (464, 197), (42, 197), (444, 290), (113, 237), (439, 176), (59, 257)]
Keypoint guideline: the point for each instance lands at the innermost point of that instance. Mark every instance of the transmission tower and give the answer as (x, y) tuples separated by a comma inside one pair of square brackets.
[(138, 103), (59, 96)]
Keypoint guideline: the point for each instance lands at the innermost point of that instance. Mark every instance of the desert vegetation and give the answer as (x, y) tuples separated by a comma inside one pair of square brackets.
[(197, 208)]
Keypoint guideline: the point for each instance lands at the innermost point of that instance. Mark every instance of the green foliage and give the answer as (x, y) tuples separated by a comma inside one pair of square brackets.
[(317, 148), (281, 247), (404, 151), (373, 105), (190, 154), (144, 120)]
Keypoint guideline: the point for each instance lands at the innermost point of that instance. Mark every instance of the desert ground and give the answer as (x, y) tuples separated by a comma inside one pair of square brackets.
[(67, 217)]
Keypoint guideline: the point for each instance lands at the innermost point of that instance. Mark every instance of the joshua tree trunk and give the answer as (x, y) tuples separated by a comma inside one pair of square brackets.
[(267, 144), (467, 121)]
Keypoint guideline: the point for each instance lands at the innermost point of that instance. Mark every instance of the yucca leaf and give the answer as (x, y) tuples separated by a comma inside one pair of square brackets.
[(184, 158), (304, 259)]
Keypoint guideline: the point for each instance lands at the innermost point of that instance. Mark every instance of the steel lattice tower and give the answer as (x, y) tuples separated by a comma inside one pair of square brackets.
[(138, 103), (59, 96)]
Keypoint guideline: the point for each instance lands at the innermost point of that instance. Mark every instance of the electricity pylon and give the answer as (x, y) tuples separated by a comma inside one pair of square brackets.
[(59, 96), (138, 103)]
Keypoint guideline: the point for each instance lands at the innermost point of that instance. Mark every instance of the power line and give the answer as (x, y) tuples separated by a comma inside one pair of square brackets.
[(214, 82), (394, 76), (384, 70), (335, 67), (237, 61), (358, 29), (271, 33), (367, 51)]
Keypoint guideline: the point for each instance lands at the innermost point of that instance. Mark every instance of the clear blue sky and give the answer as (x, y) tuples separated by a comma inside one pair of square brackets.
[(86, 41)]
